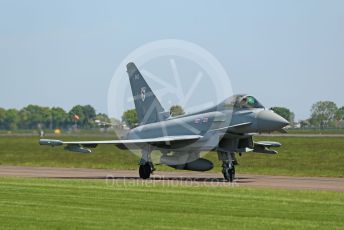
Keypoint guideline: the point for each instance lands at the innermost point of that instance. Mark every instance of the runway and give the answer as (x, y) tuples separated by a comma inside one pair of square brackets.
[(182, 177)]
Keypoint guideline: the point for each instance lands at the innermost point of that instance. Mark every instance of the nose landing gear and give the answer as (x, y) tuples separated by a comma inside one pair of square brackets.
[(228, 171), (228, 165)]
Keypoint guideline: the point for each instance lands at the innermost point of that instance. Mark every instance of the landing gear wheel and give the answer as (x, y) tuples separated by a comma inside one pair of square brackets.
[(145, 171), (229, 173)]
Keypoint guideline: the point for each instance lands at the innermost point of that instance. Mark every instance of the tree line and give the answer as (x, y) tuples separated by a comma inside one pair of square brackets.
[(324, 114), (38, 117), (129, 117)]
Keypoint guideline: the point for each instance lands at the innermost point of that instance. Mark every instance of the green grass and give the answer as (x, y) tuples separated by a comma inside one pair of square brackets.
[(318, 156), (316, 131), (298, 156), (76, 204), (26, 151)]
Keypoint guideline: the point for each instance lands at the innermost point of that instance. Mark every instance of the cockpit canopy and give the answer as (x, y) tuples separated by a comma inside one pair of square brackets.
[(242, 102)]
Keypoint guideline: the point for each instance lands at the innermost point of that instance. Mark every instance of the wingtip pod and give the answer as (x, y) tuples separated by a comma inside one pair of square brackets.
[(50, 142)]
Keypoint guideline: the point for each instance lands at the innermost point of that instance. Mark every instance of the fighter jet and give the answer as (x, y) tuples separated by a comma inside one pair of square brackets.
[(227, 128)]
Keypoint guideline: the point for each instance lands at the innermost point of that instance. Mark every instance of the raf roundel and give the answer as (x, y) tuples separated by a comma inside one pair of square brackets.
[(143, 93)]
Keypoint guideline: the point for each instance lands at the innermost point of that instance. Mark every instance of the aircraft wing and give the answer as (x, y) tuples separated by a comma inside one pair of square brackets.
[(264, 147), (82, 146)]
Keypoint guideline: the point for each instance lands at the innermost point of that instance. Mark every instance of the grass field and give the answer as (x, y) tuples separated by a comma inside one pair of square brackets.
[(316, 131), (75, 204), (318, 156)]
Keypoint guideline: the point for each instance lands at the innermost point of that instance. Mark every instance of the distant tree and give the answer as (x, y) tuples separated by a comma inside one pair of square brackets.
[(285, 113), (11, 119), (90, 114), (86, 115), (46, 117), (340, 114), (176, 110), (103, 118), (24, 119), (76, 114), (304, 123), (129, 117), (2, 118), (32, 116), (323, 114), (59, 118)]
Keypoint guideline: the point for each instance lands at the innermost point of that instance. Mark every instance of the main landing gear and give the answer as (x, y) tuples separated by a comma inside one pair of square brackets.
[(145, 171), (228, 165), (146, 165)]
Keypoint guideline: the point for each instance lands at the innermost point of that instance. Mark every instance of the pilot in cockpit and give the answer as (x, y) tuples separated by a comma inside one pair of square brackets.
[(242, 102), (248, 102)]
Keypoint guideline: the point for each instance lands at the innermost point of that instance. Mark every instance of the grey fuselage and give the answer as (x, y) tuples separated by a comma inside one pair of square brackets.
[(224, 121)]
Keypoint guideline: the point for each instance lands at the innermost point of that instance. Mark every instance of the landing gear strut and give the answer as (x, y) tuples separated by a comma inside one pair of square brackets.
[(228, 165), (228, 171), (146, 164)]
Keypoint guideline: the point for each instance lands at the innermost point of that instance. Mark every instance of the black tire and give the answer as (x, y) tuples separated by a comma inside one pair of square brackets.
[(233, 172), (229, 174), (145, 171), (225, 174)]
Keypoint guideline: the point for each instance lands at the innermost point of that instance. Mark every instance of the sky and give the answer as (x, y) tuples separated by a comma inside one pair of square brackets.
[(63, 53)]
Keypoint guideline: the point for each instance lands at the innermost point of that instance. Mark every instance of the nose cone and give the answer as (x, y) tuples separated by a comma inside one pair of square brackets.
[(270, 121)]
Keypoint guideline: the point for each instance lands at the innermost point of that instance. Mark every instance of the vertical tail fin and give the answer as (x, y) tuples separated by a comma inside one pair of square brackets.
[(148, 107)]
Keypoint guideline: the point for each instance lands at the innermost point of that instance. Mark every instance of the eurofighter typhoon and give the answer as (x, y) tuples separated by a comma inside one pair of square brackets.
[(226, 128)]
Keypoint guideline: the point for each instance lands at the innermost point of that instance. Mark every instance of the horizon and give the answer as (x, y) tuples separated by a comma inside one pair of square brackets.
[(120, 118)]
